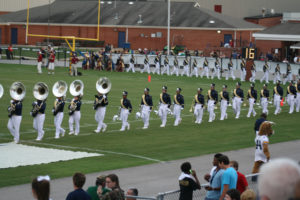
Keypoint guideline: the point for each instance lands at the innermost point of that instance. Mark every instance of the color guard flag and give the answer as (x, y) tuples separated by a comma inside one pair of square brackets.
[(281, 102), (149, 78)]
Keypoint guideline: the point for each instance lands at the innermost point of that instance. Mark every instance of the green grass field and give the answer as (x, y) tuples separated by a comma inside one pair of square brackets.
[(137, 146)]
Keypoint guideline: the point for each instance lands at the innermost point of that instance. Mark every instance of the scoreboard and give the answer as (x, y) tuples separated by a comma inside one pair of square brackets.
[(249, 53)]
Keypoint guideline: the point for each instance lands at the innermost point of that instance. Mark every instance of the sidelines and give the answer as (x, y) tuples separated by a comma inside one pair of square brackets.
[(94, 150)]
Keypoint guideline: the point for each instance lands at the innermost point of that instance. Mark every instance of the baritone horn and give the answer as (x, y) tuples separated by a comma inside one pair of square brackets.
[(59, 89), (76, 88), (40, 91), (103, 85), (1, 91), (17, 91)]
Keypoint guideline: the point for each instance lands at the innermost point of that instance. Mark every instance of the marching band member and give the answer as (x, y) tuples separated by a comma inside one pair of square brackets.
[(120, 64), (195, 68), (216, 69), (212, 96), (224, 102), (166, 67), (252, 97), (298, 96), (40, 61), (186, 68), (291, 96), (277, 96), (230, 70), (15, 118), (262, 154), (198, 106), (175, 67), (238, 97), (131, 64), (126, 108), (165, 103), (243, 70), (253, 72), (277, 74), (157, 64), (288, 76), (146, 65), (266, 69), (74, 62), (100, 104), (178, 106), (38, 114), (146, 105), (205, 69), (264, 98), (58, 112), (74, 115), (51, 62)]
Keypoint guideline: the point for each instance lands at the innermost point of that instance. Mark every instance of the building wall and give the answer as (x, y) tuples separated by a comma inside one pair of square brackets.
[(137, 37), (15, 5), (266, 22)]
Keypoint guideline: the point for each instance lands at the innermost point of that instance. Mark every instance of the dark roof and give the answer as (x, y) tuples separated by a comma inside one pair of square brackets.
[(265, 16), (288, 28), (183, 14)]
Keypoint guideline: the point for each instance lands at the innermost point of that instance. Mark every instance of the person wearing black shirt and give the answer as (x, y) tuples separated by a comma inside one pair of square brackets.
[(58, 112), (298, 95), (74, 115), (198, 106), (238, 97), (263, 117), (164, 106), (38, 114), (100, 104), (78, 193), (291, 96), (188, 182), (252, 97), (126, 108), (15, 118), (224, 102), (146, 107), (178, 106), (264, 98), (212, 98), (277, 96)]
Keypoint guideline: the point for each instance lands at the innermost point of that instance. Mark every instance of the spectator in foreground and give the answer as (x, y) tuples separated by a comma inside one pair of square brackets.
[(214, 188), (242, 183), (229, 177), (232, 194), (132, 192), (78, 193), (112, 183), (188, 182), (278, 179), (248, 195), (41, 188), (92, 191), (215, 165)]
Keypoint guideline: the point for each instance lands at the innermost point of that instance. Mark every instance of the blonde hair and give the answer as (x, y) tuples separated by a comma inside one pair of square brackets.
[(248, 195)]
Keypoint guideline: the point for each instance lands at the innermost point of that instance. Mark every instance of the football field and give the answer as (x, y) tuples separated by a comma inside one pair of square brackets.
[(136, 146)]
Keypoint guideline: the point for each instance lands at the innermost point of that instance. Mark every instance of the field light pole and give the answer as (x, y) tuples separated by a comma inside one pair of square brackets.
[(168, 37)]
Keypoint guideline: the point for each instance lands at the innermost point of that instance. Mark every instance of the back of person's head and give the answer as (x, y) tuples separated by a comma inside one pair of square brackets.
[(41, 188), (186, 167), (114, 178), (224, 159), (100, 181), (78, 179), (233, 194), (248, 195), (263, 115), (234, 164), (218, 155), (133, 191), (278, 179)]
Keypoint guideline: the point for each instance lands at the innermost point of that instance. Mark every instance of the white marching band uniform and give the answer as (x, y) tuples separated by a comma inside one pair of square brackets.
[(277, 75), (277, 95), (205, 69), (157, 65), (186, 68), (266, 69), (291, 97), (264, 97), (126, 108), (252, 96), (100, 106), (253, 73), (131, 65), (195, 69), (74, 117), (15, 118), (39, 118), (178, 106), (166, 68), (224, 103), (298, 96), (175, 67), (230, 70), (243, 70), (237, 101), (289, 76), (212, 100), (217, 70), (58, 112), (165, 103), (146, 65), (146, 107)]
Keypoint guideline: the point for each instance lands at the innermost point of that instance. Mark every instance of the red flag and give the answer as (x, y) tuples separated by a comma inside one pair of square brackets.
[(281, 102), (149, 78)]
